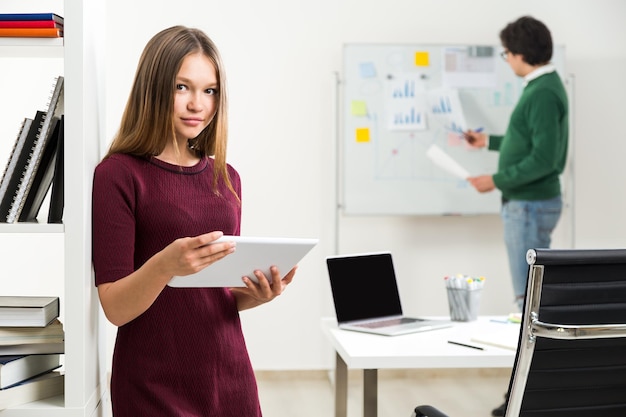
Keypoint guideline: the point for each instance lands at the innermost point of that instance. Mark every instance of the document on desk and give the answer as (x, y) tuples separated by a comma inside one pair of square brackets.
[(446, 162), (505, 337)]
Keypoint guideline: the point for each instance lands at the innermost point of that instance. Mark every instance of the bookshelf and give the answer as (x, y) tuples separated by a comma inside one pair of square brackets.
[(84, 361)]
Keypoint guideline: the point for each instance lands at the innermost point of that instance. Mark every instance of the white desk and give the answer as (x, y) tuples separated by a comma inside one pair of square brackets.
[(419, 350)]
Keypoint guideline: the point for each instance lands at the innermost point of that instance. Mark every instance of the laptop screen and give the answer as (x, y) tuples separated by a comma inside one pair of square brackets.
[(363, 286)]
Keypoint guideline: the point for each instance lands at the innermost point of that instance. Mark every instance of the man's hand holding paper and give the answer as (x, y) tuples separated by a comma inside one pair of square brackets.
[(482, 183)]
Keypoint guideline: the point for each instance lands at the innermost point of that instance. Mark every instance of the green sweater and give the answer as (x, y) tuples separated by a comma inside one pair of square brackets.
[(533, 150)]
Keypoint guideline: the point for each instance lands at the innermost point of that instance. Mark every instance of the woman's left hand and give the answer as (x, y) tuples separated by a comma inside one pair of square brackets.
[(263, 291)]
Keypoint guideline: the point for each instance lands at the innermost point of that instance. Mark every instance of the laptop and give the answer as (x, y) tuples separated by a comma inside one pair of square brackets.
[(366, 297)]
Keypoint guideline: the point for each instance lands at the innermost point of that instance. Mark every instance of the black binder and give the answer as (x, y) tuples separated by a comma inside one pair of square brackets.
[(57, 198)]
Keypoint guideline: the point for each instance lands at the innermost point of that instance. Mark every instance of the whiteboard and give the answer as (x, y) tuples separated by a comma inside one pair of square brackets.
[(397, 101)]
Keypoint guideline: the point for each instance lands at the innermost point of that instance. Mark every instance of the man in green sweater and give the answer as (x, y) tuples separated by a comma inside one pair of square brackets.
[(533, 150)]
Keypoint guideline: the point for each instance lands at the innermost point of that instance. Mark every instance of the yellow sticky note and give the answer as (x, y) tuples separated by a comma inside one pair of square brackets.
[(363, 134), (421, 59), (358, 108)]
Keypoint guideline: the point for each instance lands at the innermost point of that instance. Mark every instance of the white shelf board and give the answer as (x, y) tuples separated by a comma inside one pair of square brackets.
[(31, 47), (49, 407), (32, 227)]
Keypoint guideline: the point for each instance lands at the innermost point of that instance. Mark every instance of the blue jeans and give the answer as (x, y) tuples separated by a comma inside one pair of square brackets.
[(527, 225)]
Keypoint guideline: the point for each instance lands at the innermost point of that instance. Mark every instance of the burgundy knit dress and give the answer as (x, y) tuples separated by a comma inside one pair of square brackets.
[(186, 355)]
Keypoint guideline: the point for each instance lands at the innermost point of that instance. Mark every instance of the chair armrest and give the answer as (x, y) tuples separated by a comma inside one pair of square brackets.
[(571, 332), (427, 411)]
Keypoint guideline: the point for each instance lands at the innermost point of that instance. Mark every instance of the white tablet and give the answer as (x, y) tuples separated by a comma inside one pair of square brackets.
[(250, 254)]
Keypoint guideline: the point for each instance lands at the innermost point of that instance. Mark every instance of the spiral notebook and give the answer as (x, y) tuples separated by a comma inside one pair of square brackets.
[(42, 177), (18, 160), (14, 161)]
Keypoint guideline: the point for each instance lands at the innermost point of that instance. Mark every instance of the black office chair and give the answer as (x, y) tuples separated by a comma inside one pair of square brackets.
[(571, 355)]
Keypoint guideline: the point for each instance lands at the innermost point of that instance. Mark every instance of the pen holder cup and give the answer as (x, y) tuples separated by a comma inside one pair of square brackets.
[(463, 303)]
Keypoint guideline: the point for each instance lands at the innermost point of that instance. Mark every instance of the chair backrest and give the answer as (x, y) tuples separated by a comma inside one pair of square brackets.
[(571, 358)]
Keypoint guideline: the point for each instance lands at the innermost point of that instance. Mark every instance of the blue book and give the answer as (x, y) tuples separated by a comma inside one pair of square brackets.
[(32, 16)]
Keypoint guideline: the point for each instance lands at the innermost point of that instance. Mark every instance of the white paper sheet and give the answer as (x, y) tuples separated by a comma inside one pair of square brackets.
[(445, 161)]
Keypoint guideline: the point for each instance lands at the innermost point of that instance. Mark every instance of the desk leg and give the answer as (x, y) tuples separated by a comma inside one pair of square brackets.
[(341, 387), (370, 392)]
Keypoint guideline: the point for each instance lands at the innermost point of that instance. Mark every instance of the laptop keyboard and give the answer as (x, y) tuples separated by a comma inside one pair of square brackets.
[(387, 323)]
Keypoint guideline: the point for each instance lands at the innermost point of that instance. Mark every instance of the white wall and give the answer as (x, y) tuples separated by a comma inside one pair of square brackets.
[(281, 58)]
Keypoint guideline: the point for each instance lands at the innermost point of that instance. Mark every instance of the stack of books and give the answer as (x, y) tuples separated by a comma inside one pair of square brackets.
[(31, 25), (31, 345), (36, 165)]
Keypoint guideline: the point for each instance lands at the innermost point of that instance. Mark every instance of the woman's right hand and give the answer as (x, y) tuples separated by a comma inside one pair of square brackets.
[(189, 255)]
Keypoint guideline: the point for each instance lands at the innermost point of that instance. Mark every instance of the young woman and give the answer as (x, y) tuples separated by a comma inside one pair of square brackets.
[(160, 195)]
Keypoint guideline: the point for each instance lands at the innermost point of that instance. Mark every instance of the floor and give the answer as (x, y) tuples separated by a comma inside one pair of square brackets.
[(456, 392)]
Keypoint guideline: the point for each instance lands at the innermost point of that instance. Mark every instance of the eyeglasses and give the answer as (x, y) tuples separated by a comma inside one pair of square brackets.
[(504, 54)]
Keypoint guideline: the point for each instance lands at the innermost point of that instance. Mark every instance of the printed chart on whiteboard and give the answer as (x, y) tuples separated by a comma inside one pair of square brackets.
[(403, 113)]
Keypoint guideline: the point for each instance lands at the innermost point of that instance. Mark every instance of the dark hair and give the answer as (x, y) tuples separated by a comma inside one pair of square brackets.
[(530, 38)]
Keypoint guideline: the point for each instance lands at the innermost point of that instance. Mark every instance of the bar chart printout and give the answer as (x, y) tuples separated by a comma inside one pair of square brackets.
[(405, 103)]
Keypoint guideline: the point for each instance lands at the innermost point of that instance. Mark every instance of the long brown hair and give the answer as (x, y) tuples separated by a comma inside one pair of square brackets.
[(147, 123)]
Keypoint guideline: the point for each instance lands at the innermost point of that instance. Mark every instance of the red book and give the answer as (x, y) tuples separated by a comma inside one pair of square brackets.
[(31, 33), (30, 24)]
